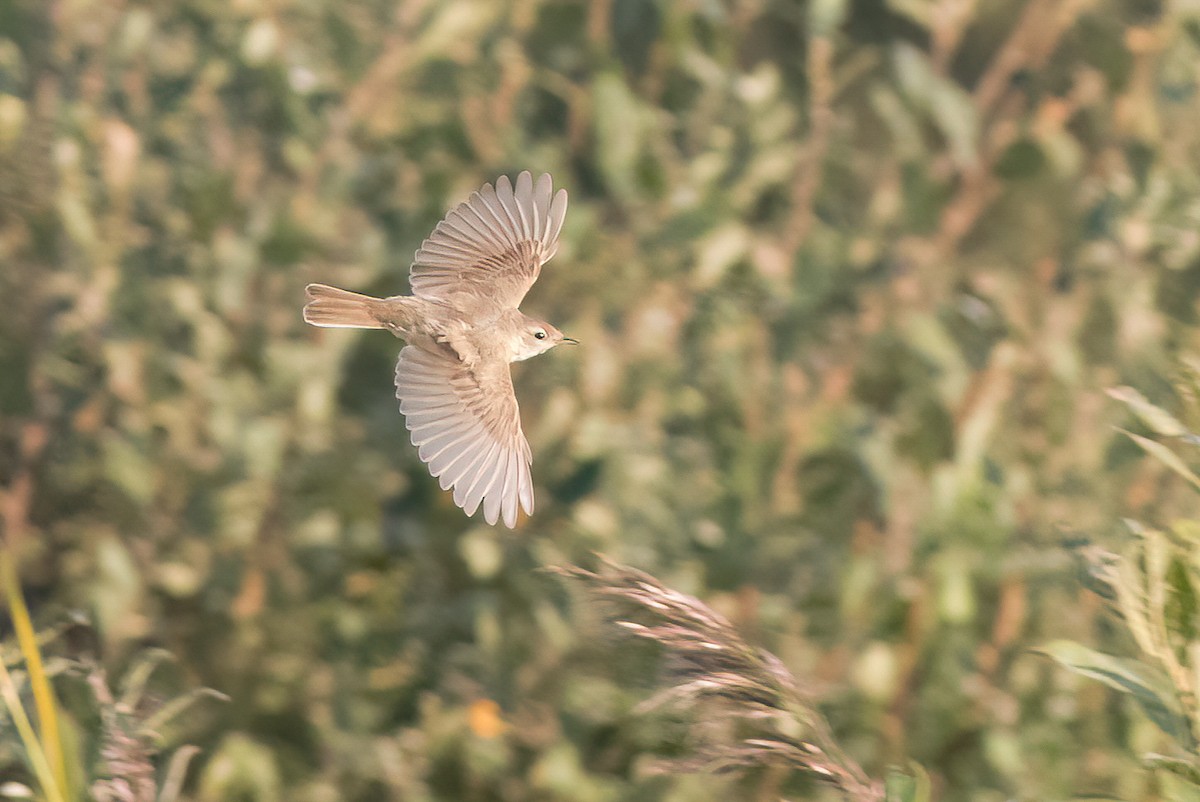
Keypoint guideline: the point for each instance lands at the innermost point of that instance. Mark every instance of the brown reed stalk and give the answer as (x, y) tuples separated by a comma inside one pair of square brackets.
[(127, 756), (129, 737), (712, 668)]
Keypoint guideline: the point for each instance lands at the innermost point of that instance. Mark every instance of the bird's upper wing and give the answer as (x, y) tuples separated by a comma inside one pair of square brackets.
[(488, 251), (466, 426)]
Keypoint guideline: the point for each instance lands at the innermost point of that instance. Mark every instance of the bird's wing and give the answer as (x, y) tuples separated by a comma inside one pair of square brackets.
[(467, 428), (488, 251)]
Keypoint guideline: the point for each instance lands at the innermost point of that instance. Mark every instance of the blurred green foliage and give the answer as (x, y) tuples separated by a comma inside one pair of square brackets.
[(1152, 583), (851, 279)]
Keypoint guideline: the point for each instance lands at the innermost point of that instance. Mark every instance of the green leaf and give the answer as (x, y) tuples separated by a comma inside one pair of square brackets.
[(133, 685), (1178, 789), (826, 16), (1149, 687), (1182, 606), (618, 132), (1186, 768), (1158, 419), (917, 11), (946, 102), (908, 785), (1164, 455), (129, 468), (1022, 159), (153, 725)]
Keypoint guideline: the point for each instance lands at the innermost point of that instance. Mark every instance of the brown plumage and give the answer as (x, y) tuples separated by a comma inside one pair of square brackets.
[(463, 329)]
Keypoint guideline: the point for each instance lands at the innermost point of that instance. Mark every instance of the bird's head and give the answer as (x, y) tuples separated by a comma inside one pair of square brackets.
[(537, 337)]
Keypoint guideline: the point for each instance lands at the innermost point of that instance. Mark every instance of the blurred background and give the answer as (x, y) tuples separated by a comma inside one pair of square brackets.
[(851, 279)]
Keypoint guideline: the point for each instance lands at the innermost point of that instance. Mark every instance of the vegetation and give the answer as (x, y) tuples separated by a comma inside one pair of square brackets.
[(852, 280)]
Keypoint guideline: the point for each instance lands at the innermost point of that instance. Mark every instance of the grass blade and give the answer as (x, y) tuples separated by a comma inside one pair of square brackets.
[(1166, 456), (39, 683), (33, 749)]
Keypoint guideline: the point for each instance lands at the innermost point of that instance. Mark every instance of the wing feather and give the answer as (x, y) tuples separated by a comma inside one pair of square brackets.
[(458, 464), (488, 251), (525, 484), (492, 498), (491, 201), (555, 218), (485, 225), (526, 208), (508, 493), (504, 195), (482, 481), (541, 205), (452, 455), (466, 426)]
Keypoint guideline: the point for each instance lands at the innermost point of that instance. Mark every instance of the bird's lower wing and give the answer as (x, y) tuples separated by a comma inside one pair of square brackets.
[(466, 426)]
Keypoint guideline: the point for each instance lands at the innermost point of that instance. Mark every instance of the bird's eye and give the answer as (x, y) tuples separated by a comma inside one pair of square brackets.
[(539, 334)]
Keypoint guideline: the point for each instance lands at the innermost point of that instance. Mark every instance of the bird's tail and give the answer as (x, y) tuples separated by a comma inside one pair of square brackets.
[(332, 308)]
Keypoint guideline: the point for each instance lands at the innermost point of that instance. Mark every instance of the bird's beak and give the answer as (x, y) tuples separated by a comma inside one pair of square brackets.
[(570, 340)]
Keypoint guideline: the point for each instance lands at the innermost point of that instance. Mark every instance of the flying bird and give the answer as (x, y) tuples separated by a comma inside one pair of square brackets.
[(462, 329)]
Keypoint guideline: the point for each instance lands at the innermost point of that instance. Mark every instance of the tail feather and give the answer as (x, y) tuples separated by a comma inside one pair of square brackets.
[(330, 307)]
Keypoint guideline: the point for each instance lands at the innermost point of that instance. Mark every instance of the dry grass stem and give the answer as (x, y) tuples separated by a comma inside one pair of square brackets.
[(130, 737), (712, 667), (125, 752)]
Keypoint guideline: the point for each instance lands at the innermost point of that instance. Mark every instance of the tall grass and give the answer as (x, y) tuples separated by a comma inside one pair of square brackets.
[(713, 669), (43, 747), (1153, 584)]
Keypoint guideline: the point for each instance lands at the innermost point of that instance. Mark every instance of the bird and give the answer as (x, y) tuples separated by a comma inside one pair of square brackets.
[(462, 328)]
